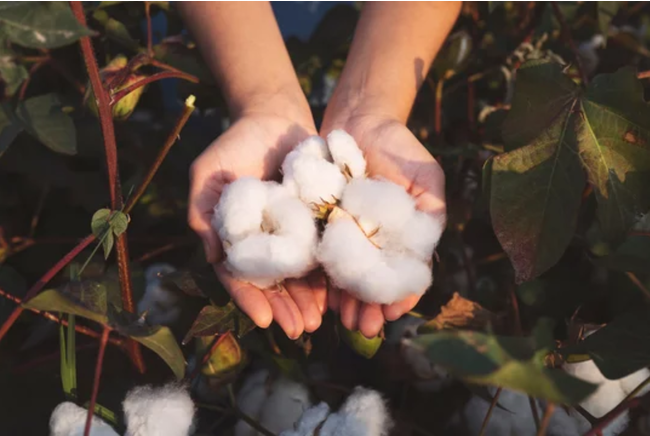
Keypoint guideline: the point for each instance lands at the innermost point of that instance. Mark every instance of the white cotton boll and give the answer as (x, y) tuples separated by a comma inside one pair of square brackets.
[(250, 400), (284, 407), (240, 209), (346, 154), (421, 234), (164, 411), (68, 419), (364, 413), (160, 302), (314, 146), (314, 180), (385, 204), (393, 279), (309, 421)]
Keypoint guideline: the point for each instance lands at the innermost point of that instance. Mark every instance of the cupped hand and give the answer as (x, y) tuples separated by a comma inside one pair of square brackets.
[(254, 145), (392, 152)]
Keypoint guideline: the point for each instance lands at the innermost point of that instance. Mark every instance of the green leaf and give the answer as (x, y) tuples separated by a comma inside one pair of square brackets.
[(614, 145), (606, 11), (68, 357), (512, 363), (99, 222), (44, 119), (40, 24), (11, 73), (107, 224), (366, 347), (199, 282), (620, 348), (54, 301), (632, 255), (114, 29), (164, 344), (226, 358), (10, 127), (119, 222), (214, 320)]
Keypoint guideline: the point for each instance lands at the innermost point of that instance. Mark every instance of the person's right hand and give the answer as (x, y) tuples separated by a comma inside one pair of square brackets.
[(255, 145)]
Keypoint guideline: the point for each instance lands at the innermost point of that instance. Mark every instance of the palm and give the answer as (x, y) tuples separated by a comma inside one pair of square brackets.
[(254, 146), (393, 153)]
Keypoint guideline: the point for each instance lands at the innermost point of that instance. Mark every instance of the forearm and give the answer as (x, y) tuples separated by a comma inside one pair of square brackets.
[(242, 45), (393, 48)]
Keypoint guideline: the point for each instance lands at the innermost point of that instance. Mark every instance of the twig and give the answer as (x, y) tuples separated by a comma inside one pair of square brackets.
[(37, 212), (98, 375), (37, 66), (169, 142), (79, 328), (643, 75), (486, 420), (140, 83), (36, 287), (569, 40), (604, 421), (147, 12), (533, 411), (639, 284), (438, 106), (550, 408), (110, 146)]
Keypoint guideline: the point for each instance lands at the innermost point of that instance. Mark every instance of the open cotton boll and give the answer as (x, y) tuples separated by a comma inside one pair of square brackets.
[(160, 302), (420, 234), (239, 212), (250, 400), (313, 179), (346, 154), (284, 407), (68, 419), (364, 413), (309, 421), (164, 411)]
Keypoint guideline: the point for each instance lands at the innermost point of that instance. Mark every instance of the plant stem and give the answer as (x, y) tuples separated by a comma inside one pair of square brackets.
[(140, 83), (643, 75), (43, 281), (169, 142), (486, 420), (550, 408), (438, 107), (110, 146), (37, 66), (612, 415), (98, 375), (639, 284), (569, 40)]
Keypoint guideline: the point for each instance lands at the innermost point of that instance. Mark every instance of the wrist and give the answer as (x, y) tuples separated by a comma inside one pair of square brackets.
[(286, 102)]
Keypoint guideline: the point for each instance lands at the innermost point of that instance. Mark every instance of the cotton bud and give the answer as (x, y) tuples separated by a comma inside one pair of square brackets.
[(346, 154), (159, 302), (268, 234), (68, 419), (125, 107), (165, 411), (377, 246), (275, 404)]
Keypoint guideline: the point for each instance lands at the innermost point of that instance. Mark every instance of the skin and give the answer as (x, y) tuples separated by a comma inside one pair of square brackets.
[(393, 47)]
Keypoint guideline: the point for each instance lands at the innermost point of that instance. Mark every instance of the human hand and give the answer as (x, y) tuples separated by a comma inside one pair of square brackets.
[(392, 152), (255, 145)]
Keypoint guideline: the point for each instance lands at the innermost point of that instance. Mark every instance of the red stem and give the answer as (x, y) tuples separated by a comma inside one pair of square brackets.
[(643, 75), (153, 78), (37, 66), (98, 375), (612, 415), (43, 281)]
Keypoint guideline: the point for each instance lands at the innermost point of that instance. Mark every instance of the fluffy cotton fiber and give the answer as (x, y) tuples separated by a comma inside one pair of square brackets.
[(268, 235), (68, 419), (346, 154), (165, 411)]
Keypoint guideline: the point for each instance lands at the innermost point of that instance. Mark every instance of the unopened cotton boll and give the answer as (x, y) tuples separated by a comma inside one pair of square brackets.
[(160, 302), (164, 411), (346, 154), (68, 419)]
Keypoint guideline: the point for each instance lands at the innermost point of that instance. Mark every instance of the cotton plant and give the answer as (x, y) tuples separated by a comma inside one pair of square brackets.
[(148, 411), (375, 243)]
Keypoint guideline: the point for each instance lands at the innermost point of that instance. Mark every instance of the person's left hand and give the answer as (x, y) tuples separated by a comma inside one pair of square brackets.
[(394, 153)]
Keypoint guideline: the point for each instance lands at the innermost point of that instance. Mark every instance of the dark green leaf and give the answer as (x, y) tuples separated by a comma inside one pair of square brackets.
[(454, 55), (11, 73), (606, 11), (366, 347), (181, 57), (40, 24), (632, 255), (199, 282), (164, 344), (115, 29), (99, 223), (614, 145), (10, 127), (512, 363), (54, 301), (621, 347), (44, 119), (214, 320), (88, 293), (107, 242)]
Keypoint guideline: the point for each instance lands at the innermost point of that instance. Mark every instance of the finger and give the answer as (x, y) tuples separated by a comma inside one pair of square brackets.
[(349, 311), (247, 297), (334, 298), (428, 188), (305, 299), (202, 199), (285, 311), (396, 310), (318, 284), (371, 320)]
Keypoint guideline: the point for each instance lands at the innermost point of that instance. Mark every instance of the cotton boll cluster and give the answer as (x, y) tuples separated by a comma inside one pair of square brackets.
[(68, 419), (364, 413), (268, 234), (275, 404), (148, 411), (376, 244), (160, 303)]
